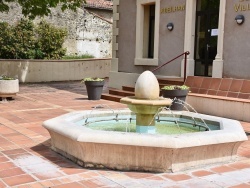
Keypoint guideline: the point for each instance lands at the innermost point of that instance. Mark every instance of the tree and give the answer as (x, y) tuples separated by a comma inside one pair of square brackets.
[(33, 8)]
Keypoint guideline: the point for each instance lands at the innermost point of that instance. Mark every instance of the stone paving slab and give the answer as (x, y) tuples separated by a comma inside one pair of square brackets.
[(26, 160)]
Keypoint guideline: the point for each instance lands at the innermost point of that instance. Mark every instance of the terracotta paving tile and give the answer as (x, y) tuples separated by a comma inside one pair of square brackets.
[(47, 183), (215, 84), (239, 165), (92, 183), (206, 83), (202, 173), (177, 177), (225, 84), (138, 174), (11, 172), (7, 165), (245, 87), (2, 185), (155, 177), (212, 92), (197, 82), (232, 94), (48, 175), (73, 170), (36, 185), (222, 169), (189, 81), (56, 182), (3, 159), (244, 95), (236, 85), (194, 90), (6, 144), (89, 174), (68, 185), (241, 186), (222, 93), (203, 91), (17, 180), (65, 180)]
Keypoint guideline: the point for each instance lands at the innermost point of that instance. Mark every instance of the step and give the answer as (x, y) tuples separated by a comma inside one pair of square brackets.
[(122, 93), (111, 97), (128, 88), (167, 81)]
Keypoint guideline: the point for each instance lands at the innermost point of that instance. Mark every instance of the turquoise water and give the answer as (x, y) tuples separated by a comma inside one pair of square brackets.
[(165, 125)]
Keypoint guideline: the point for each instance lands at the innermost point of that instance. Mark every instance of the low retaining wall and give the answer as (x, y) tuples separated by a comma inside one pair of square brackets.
[(238, 109), (55, 70), (225, 97)]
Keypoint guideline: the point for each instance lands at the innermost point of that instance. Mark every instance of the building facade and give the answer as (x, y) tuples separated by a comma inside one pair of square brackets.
[(148, 33)]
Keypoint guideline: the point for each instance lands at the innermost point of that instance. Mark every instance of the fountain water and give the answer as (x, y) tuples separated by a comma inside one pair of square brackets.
[(144, 152)]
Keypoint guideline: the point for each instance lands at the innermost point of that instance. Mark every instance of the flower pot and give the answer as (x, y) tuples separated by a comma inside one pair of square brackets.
[(94, 89), (175, 94), (9, 88)]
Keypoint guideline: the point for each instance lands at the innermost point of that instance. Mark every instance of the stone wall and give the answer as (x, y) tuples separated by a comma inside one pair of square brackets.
[(87, 32)]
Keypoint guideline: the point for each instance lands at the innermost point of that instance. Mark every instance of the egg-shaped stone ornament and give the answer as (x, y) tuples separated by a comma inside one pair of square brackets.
[(147, 86)]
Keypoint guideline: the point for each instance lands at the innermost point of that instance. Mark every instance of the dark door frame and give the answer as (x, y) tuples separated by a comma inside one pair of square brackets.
[(208, 52)]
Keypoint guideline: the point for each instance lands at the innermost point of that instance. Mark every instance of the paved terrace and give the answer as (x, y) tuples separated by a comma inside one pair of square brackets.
[(26, 160)]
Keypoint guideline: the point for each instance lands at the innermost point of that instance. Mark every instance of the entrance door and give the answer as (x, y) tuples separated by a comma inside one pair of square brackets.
[(207, 18)]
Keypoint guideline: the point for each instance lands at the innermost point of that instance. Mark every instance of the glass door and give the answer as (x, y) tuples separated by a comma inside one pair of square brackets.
[(206, 34)]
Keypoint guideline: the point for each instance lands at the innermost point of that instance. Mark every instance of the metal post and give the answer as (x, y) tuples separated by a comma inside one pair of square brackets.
[(185, 65)]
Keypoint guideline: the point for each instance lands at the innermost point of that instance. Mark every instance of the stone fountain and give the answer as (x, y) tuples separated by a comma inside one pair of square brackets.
[(138, 151), (146, 102)]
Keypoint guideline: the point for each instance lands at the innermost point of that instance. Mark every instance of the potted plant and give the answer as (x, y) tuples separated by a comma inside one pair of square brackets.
[(8, 86), (94, 87), (175, 92)]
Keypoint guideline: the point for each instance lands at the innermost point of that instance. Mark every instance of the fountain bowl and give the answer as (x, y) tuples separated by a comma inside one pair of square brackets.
[(143, 152)]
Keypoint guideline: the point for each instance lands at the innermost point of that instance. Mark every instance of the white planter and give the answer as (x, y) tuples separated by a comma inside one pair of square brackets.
[(9, 87)]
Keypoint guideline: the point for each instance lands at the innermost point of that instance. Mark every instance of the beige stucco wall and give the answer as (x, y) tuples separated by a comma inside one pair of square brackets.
[(46, 71), (127, 36), (236, 42), (171, 44)]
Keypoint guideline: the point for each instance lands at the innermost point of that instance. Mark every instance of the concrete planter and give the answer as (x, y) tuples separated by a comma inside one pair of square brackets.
[(9, 88)]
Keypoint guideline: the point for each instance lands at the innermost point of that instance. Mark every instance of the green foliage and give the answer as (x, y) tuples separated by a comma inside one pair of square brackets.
[(4, 77), (33, 8), (84, 56), (175, 87), (50, 40), (7, 38), (92, 79), (25, 41)]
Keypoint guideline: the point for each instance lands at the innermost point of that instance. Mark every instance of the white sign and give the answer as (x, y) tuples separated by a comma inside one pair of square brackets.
[(214, 32)]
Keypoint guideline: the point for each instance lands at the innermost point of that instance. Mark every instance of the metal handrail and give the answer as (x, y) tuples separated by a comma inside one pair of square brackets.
[(185, 63)]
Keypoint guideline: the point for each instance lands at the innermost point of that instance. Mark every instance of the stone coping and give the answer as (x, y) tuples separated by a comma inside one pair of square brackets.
[(231, 131), (220, 97)]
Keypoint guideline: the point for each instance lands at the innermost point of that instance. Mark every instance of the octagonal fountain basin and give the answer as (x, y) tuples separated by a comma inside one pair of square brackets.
[(73, 137)]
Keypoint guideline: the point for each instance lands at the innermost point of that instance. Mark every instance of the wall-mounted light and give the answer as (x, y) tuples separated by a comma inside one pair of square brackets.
[(239, 19), (170, 26)]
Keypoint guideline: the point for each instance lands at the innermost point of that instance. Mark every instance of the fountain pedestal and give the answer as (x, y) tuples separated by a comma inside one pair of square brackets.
[(145, 123), (146, 103), (145, 111)]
